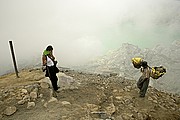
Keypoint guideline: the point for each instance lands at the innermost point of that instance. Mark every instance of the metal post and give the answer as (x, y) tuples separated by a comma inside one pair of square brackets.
[(13, 57)]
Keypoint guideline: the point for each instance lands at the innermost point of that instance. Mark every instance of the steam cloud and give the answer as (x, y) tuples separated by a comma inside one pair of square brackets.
[(82, 29)]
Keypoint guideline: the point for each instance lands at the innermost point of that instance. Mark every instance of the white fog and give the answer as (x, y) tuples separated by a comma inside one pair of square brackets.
[(80, 30)]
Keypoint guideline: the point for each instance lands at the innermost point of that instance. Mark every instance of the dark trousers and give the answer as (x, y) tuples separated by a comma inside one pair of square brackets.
[(143, 84), (50, 72)]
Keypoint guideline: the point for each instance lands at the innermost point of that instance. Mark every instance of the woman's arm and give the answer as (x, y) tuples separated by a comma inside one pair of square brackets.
[(44, 61), (51, 55)]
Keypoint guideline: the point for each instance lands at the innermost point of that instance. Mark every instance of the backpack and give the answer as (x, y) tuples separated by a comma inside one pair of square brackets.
[(157, 72), (137, 62)]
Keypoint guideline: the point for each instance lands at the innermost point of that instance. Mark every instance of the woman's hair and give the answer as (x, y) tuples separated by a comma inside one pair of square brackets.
[(49, 48), (144, 64)]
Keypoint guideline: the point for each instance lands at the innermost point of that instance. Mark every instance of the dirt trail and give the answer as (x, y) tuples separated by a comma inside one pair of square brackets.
[(82, 97)]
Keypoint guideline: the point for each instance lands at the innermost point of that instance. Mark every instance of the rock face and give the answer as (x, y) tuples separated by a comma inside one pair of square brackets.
[(85, 96), (10, 110), (119, 61)]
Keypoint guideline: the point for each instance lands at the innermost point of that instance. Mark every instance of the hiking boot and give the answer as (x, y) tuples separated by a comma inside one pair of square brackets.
[(141, 96), (54, 94), (57, 91)]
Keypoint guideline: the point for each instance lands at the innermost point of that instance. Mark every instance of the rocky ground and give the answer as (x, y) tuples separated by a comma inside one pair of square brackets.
[(82, 97)]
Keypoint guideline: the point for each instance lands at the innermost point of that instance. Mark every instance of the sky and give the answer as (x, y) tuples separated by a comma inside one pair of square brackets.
[(83, 29)]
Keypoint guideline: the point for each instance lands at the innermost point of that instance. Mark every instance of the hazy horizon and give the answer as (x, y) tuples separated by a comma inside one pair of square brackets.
[(82, 29)]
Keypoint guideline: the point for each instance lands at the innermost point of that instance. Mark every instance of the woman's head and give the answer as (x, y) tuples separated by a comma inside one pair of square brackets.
[(49, 48), (144, 64)]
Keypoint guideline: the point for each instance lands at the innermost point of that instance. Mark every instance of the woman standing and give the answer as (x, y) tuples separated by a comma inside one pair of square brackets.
[(48, 60)]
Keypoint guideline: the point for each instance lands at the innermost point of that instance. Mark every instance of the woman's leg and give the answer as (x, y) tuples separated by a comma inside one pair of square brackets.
[(53, 78)]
